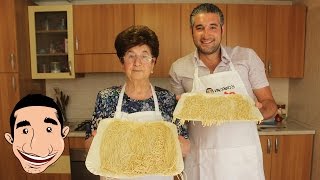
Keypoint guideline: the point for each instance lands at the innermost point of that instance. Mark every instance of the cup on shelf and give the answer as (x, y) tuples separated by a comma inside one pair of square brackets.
[(44, 68), (55, 67)]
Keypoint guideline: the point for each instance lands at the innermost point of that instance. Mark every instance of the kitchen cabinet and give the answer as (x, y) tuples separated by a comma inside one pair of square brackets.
[(77, 142), (8, 51), (51, 42), (9, 96), (247, 27), (164, 20), (287, 156), (286, 41), (187, 45), (95, 30), (275, 32), (15, 76)]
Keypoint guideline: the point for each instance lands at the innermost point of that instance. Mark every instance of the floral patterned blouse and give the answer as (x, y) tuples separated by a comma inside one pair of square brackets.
[(107, 101)]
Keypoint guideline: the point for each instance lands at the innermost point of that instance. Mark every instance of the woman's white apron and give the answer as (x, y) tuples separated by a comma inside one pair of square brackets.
[(230, 151), (140, 116)]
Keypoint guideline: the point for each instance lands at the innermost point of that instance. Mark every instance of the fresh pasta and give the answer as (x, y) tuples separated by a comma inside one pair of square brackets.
[(132, 149), (213, 109)]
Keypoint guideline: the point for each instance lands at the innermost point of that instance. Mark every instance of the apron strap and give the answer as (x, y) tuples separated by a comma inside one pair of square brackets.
[(196, 80), (120, 100)]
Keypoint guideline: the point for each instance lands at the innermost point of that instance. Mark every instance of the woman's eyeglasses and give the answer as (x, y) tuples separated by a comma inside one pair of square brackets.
[(131, 57)]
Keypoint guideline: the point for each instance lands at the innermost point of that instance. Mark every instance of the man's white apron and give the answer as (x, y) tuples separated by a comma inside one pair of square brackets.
[(230, 151), (140, 116)]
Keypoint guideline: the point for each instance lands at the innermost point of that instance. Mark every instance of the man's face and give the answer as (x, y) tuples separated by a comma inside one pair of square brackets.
[(37, 139), (207, 33)]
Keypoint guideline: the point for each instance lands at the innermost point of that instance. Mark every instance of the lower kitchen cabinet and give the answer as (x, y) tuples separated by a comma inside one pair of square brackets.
[(49, 177), (287, 156)]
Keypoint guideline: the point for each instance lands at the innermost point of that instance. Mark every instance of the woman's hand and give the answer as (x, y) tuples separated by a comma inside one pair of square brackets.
[(185, 146)]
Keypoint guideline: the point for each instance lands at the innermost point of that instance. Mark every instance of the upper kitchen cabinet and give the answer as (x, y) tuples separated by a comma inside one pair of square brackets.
[(164, 20), (51, 42), (286, 41), (95, 30), (187, 45), (247, 27), (8, 51), (275, 32), (15, 76)]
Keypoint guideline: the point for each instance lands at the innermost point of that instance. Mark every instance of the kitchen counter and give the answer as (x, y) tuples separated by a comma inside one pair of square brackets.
[(73, 133), (289, 128)]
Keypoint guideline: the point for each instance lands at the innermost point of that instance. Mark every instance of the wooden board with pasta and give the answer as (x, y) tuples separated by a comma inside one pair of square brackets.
[(212, 109), (127, 149)]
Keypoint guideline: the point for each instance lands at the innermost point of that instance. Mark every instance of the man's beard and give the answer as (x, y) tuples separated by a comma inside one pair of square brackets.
[(208, 51)]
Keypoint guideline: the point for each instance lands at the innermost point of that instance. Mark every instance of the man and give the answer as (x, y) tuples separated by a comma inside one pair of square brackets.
[(36, 132), (230, 151)]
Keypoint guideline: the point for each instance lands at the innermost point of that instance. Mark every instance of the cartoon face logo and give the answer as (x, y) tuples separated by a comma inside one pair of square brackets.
[(209, 90), (36, 132)]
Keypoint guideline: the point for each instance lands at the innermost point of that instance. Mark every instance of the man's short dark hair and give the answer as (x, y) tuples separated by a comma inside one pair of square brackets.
[(206, 8), (35, 100)]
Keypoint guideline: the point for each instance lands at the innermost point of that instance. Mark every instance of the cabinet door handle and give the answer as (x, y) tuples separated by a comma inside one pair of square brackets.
[(269, 67), (268, 146), (12, 60), (70, 68), (14, 83), (276, 146), (77, 44)]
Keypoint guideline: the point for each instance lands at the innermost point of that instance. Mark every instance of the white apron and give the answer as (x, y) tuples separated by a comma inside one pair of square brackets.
[(230, 151), (140, 116)]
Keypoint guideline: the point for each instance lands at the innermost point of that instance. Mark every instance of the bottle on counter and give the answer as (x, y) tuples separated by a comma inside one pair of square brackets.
[(281, 114)]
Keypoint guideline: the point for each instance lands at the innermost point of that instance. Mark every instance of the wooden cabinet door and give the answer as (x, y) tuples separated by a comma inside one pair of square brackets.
[(164, 20), (10, 167), (292, 156), (187, 45), (246, 27), (285, 40), (96, 26), (8, 39), (49, 177), (266, 145)]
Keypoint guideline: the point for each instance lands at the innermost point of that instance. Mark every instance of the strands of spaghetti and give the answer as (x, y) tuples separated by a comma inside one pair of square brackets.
[(134, 149), (213, 109)]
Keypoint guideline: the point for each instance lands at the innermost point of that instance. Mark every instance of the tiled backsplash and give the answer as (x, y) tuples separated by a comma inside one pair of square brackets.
[(83, 91)]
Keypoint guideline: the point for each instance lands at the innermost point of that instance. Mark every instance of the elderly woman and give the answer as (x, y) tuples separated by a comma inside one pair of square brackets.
[(138, 49)]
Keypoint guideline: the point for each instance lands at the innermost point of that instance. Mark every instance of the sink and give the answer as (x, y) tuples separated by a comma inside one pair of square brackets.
[(271, 128)]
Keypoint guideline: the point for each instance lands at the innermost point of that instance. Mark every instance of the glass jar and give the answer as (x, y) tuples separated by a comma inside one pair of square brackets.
[(55, 67)]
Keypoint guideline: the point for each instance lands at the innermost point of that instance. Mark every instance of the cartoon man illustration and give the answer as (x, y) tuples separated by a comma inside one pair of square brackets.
[(37, 132)]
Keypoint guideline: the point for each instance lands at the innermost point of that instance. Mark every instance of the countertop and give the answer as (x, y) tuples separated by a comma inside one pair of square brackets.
[(73, 133), (289, 128)]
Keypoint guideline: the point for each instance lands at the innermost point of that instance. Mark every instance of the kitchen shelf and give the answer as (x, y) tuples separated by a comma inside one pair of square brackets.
[(51, 42), (53, 54)]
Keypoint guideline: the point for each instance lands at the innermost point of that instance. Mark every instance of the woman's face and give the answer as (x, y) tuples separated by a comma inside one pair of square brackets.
[(138, 62)]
